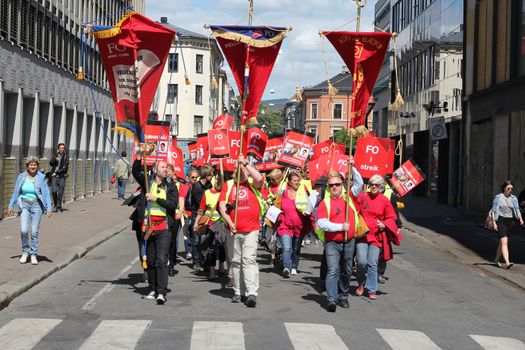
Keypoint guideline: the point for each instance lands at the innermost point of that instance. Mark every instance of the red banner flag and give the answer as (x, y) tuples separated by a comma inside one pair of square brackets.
[(219, 143), (272, 152), (296, 149), (251, 53), (134, 53), (203, 152), (328, 147), (224, 121), (363, 54), (255, 144), (374, 155), (175, 158)]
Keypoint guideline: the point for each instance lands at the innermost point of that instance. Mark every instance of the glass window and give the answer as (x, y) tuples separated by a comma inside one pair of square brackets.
[(337, 111), (198, 94), (313, 110), (172, 93), (198, 67), (173, 62), (313, 130), (174, 124), (197, 124)]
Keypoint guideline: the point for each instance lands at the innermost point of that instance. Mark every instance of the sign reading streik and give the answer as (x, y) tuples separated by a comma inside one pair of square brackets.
[(374, 156), (219, 143)]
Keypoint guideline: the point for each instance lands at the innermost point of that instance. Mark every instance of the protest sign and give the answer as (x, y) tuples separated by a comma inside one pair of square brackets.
[(255, 144), (406, 177), (274, 147), (223, 121), (156, 137), (175, 159), (328, 147), (374, 156), (296, 149), (219, 144)]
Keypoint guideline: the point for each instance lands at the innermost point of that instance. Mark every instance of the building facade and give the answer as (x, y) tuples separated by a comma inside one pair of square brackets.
[(326, 114), (41, 101), (494, 107)]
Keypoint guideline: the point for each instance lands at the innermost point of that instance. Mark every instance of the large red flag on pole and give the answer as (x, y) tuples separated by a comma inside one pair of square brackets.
[(134, 53), (363, 53), (251, 53)]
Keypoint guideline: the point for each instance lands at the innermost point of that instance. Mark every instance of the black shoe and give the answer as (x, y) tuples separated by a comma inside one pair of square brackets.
[(332, 306), (251, 301), (381, 279), (171, 271), (343, 303), (236, 298), (161, 299)]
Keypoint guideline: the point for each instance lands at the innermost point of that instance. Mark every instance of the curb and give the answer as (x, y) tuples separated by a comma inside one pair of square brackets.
[(415, 230), (11, 290)]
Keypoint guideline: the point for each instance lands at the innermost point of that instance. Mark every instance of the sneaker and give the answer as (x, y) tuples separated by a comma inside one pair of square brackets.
[(343, 303), (272, 263), (161, 299), (372, 296), (34, 260), (230, 283), (381, 279), (294, 272), (188, 256), (151, 295), (286, 273), (236, 298), (332, 306), (251, 301), (509, 265), (360, 290), (498, 264), (23, 258)]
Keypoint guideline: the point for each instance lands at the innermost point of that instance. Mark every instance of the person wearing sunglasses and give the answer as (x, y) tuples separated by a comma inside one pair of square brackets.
[(506, 212), (337, 217), (380, 217)]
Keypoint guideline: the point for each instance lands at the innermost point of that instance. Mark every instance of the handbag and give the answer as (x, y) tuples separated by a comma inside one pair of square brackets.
[(202, 224), (113, 179), (490, 222), (362, 228)]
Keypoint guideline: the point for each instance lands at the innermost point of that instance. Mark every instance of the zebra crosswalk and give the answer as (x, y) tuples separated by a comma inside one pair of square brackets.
[(27, 333)]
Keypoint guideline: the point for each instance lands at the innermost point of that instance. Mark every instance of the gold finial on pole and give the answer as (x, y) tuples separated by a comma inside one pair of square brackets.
[(360, 4), (250, 18)]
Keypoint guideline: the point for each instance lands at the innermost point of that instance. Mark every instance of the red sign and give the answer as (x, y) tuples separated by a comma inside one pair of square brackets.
[(274, 147), (328, 147), (340, 163), (223, 121), (202, 150), (374, 156), (255, 144), (175, 159), (156, 137), (296, 149), (219, 143), (406, 177)]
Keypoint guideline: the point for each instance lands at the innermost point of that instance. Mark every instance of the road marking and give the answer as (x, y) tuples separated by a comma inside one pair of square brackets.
[(217, 335), (25, 333), (399, 339), (308, 336), (107, 288), (498, 343), (116, 334)]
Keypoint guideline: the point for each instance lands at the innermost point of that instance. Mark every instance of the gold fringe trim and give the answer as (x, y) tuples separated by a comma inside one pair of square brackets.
[(249, 41), (187, 79), (399, 101), (298, 95), (251, 121), (125, 132), (214, 84), (351, 133), (361, 131), (80, 74), (332, 90), (108, 33), (242, 129)]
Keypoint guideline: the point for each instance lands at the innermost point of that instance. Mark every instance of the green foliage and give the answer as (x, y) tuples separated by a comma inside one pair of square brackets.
[(342, 136), (270, 121)]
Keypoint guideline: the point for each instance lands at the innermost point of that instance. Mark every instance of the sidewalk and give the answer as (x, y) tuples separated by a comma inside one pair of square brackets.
[(463, 236), (64, 237)]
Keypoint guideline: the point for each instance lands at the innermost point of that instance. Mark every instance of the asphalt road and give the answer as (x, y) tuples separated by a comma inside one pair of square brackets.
[(431, 301)]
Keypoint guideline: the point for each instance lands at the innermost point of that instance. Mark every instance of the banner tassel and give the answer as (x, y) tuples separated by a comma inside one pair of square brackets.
[(298, 95), (214, 84), (80, 74), (332, 90), (187, 79)]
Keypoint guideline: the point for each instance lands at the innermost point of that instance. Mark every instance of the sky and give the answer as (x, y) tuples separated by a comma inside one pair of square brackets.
[(300, 61)]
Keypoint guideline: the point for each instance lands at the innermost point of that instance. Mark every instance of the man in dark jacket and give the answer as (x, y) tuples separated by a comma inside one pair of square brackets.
[(155, 214), (58, 176)]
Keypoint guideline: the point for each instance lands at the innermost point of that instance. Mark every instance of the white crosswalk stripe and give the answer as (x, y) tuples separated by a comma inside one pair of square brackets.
[(116, 334), (308, 336), (498, 343), (399, 339), (24, 333), (217, 335)]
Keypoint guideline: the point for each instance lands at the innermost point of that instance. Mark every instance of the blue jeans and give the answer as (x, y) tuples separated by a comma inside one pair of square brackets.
[(122, 187), (338, 282), (30, 217), (291, 251), (367, 258)]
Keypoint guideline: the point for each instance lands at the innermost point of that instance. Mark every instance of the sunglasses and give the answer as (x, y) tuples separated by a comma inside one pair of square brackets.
[(509, 188), (193, 177), (374, 185), (335, 185)]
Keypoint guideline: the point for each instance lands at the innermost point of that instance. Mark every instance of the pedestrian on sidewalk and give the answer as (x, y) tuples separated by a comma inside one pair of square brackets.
[(158, 216), (58, 177), (506, 211), (31, 194), (122, 170), (245, 231)]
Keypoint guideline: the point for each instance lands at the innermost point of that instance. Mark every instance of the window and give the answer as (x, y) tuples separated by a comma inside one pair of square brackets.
[(337, 112), (173, 63), (313, 129), (197, 124), (174, 124), (172, 93), (334, 130), (313, 110), (198, 65), (198, 94)]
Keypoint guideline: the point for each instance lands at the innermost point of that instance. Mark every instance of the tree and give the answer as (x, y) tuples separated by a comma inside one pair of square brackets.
[(341, 136), (270, 121)]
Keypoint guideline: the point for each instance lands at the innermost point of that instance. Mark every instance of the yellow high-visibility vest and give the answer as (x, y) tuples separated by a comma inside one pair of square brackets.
[(211, 205), (155, 208)]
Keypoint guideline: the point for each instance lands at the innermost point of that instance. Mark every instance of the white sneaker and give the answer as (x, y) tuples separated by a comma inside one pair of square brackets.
[(188, 256), (34, 260), (294, 271), (150, 296), (23, 258), (161, 299)]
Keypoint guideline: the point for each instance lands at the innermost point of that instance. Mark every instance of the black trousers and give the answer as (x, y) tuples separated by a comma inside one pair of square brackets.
[(174, 242), (157, 248), (215, 250)]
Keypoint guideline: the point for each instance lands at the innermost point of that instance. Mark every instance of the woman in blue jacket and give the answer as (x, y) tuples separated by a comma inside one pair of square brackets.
[(31, 194), (506, 212)]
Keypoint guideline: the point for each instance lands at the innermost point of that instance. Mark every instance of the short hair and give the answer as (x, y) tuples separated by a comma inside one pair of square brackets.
[(61, 144), (505, 184), (171, 167), (205, 170), (123, 154), (276, 174), (377, 179), (292, 174), (337, 175), (32, 159)]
